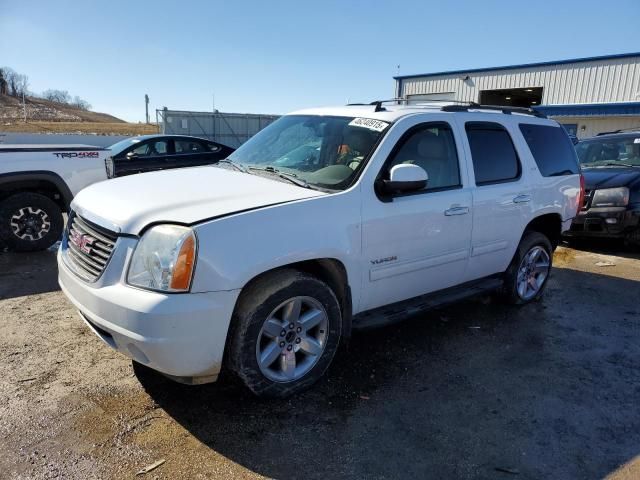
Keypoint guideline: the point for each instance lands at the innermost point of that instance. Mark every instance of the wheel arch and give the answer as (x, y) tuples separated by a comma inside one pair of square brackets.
[(43, 182), (549, 224), (331, 271)]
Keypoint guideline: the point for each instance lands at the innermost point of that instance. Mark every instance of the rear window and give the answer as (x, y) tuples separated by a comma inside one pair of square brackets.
[(551, 149), (494, 157)]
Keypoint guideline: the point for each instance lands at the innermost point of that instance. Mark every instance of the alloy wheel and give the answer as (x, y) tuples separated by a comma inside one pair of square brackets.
[(29, 223), (292, 339), (532, 273)]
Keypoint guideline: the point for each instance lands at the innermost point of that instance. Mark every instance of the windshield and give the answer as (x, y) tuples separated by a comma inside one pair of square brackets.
[(609, 152), (321, 151), (118, 147)]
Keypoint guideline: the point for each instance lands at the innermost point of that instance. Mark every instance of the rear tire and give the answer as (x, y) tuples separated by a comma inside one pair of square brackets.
[(30, 222), (284, 333), (528, 273)]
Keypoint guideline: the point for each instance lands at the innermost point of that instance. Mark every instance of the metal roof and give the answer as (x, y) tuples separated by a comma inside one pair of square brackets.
[(523, 65)]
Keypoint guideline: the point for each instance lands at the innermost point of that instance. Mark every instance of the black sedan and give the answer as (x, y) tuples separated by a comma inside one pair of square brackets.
[(611, 168), (159, 152)]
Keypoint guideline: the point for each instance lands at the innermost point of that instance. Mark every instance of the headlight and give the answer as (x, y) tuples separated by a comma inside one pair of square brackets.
[(611, 197), (164, 259)]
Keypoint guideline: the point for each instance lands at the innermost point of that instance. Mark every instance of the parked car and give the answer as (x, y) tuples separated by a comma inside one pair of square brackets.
[(611, 168), (37, 182), (264, 266), (158, 152)]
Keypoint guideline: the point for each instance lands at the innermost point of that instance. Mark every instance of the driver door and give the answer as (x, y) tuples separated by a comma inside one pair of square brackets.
[(145, 156), (417, 242)]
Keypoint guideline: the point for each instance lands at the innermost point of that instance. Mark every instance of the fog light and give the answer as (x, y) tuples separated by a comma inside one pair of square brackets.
[(611, 221)]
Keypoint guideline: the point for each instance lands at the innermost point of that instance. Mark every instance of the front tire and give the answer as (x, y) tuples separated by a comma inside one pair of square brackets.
[(528, 273), (284, 334), (30, 222)]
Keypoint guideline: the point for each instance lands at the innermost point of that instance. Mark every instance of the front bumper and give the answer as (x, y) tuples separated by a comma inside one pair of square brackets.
[(180, 335), (610, 222)]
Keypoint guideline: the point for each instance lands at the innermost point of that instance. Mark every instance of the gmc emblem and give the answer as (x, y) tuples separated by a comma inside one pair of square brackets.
[(83, 242)]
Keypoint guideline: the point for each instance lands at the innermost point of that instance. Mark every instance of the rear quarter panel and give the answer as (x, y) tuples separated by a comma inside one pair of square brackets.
[(559, 194)]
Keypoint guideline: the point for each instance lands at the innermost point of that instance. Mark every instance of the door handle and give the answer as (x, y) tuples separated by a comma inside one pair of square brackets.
[(456, 211), (522, 199)]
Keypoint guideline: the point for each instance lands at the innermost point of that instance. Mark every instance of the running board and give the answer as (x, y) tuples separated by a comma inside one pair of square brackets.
[(396, 312)]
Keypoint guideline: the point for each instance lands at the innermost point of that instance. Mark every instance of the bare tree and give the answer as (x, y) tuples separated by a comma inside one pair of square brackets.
[(80, 103), (9, 76), (60, 96), (21, 82), (17, 84)]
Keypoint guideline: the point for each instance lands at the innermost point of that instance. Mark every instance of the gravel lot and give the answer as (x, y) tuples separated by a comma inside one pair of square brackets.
[(477, 390)]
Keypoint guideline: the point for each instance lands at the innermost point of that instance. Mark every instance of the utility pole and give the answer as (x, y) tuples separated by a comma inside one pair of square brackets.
[(146, 107), (24, 108)]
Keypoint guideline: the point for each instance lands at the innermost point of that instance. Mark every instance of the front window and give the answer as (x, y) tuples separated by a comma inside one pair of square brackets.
[(609, 152), (321, 151), (122, 145)]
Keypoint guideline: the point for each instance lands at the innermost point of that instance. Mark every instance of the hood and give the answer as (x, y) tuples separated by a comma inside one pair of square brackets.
[(611, 177), (186, 196)]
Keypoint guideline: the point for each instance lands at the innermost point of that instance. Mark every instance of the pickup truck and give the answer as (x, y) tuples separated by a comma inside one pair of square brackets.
[(37, 184), (328, 220)]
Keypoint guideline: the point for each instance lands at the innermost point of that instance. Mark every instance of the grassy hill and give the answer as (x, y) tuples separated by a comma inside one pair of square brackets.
[(44, 116)]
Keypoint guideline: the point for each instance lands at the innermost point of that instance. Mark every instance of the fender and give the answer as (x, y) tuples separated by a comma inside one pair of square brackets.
[(8, 179)]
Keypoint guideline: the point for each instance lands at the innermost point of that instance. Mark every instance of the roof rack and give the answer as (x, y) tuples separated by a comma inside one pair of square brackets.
[(504, 109), (455, 106)]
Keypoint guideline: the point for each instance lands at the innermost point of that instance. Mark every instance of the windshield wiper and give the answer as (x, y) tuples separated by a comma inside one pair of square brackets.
[(237, 166), (619, 164), (607, 164), (291, 177), (296, 181)]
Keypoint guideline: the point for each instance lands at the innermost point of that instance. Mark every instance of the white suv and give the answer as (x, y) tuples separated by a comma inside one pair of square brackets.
[(327, 220)]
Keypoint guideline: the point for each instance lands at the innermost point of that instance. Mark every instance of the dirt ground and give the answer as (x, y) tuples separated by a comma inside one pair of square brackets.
[(474, 391)]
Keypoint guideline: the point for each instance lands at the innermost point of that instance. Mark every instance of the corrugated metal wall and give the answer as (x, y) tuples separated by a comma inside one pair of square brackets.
[(232, 129), (601, 81)]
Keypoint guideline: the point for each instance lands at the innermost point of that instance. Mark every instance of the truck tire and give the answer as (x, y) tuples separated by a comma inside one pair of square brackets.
[(528, 273), (29, 222), (284, 333)]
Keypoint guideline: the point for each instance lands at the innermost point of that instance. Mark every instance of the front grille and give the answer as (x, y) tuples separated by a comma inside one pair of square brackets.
[(88, 247)]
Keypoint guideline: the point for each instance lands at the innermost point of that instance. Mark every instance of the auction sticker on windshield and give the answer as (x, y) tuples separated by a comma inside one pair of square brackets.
[(370, 123)]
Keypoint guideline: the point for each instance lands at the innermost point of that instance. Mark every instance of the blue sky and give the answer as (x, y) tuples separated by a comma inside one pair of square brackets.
[(277, 56)]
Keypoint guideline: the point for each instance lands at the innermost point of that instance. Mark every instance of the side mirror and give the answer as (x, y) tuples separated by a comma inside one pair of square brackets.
[(405, 178), (132, 155)]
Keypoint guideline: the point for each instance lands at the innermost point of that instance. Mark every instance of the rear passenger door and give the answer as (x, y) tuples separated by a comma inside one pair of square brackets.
[(501, 197), (192, 152)]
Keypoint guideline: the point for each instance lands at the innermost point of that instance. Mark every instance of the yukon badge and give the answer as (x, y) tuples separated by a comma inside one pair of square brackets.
[(384, 260)]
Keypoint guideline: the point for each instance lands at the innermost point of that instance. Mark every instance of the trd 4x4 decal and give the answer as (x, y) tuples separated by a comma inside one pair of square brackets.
[(76, 154)]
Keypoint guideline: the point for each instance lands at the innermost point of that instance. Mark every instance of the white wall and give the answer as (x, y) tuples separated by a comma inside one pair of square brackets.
[(595, 125)]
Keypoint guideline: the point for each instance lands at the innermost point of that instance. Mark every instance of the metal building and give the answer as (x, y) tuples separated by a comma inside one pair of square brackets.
[(232, 129), (587, 95)]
